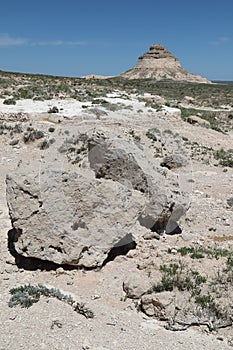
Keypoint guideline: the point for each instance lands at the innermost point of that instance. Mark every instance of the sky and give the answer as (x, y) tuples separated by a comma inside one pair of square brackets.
[(81, 37)]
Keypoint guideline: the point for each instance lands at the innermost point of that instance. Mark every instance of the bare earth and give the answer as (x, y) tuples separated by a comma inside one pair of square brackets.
[(51, 324)]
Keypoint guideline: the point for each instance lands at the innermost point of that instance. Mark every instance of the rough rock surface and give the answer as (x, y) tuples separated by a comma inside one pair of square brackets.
[(136, 284), (124, 162), (158, 63), (77, 217), (158, 306), (70, 218)]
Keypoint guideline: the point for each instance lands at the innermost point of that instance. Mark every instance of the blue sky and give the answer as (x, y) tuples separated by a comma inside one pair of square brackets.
[(79, 37)]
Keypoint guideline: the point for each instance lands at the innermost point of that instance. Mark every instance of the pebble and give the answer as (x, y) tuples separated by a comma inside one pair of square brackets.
[(132, 253), (151, 235), (86, 345), (186, 236), (60, 271), (13, 317)]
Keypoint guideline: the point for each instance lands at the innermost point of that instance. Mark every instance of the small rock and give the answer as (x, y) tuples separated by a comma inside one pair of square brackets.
[(155, 304), (220, 338), (14, 142), (60, 271), (186, 236), (151, 235), (11, 268), (194, 119), (132, 253), (136, 284), (70, 283), (12, 317)]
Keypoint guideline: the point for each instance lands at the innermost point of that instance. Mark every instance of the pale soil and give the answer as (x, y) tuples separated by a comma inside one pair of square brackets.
[(51, 324)]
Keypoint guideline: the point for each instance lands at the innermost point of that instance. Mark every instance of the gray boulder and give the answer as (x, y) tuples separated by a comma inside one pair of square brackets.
[(78, 215), (70, 218), (124, 162)]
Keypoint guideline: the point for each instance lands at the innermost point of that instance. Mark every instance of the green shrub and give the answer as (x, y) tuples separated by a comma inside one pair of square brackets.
[(225, 158), (44, 144), (32, 134), (9, 101), (230, 202), (179, 276)]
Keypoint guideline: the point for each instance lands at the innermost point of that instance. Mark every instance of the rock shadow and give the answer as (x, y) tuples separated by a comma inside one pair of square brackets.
[(32, 264)]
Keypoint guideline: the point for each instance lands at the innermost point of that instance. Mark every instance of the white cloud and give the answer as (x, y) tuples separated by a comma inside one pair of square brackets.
[(6, 40), (221, 40), (57, 43), (75, 43)]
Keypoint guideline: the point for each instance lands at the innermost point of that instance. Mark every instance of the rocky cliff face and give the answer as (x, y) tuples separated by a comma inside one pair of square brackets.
[(158, 63)]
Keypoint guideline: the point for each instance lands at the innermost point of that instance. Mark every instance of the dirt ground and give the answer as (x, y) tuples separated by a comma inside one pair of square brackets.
[(52, 324)]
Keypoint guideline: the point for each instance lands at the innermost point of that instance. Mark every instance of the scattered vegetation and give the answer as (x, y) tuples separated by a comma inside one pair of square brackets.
[(215, 122), (36, 86), (32, 134), (11, 129), (25, 296), (201, 252), (225, 158), (179, 276), (74, 146), (208, 296)]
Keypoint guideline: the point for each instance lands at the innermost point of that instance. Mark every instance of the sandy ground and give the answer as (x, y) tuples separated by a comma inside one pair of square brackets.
[(117, 324)]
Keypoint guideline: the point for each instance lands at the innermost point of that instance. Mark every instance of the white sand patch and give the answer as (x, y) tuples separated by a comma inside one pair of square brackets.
[(67, 107)]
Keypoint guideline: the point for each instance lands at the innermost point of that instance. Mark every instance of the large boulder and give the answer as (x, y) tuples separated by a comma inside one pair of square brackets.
[(70, 218), (79, 214)]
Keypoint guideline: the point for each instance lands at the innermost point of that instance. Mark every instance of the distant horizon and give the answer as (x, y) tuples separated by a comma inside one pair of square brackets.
[(74, 39), (80, 77)]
